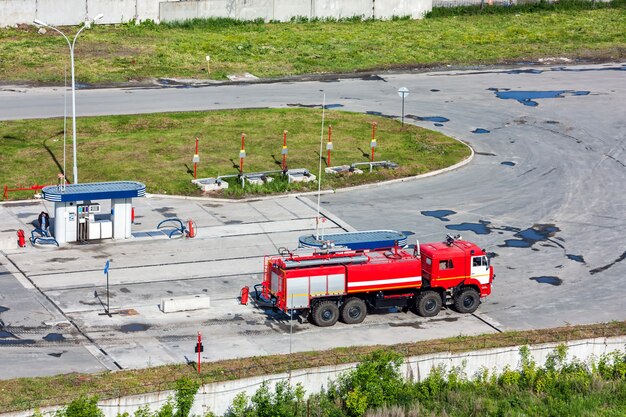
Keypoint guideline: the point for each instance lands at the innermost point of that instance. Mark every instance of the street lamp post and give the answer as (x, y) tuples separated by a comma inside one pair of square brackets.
[(71, 45)]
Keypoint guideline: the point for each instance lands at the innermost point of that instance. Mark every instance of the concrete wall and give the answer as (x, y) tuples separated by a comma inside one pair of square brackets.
[(73, 12), (284, 10), (217, 397)]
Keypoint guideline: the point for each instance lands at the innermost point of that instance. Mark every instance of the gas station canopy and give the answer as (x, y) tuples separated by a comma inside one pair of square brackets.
[(94, 191)]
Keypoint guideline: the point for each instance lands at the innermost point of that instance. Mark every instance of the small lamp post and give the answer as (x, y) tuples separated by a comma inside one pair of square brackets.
[(87, 25)]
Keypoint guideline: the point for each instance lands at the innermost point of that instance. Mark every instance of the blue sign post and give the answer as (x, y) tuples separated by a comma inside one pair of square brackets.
[(106, 271)]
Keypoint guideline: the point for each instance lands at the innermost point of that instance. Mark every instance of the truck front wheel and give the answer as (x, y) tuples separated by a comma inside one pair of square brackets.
[(467, 301), (428, 304), (325, 313), (353, 311)]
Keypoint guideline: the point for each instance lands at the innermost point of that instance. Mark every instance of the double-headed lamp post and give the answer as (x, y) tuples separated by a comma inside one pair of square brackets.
[(71, 45)]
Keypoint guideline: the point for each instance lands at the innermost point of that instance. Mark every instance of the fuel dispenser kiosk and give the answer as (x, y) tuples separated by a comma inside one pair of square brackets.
[(82, 213)]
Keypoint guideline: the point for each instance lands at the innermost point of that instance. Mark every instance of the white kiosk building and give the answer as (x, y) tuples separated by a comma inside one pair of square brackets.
[(92, 211)]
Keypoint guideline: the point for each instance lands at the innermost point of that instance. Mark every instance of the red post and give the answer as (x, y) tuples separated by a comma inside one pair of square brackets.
[(242, 153), (284, 151), (373, 142), (329, 145), (196, 158), (6, 192), (199, 348)]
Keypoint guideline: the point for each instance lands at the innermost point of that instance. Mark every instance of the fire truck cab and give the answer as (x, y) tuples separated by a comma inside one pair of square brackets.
[(343, 285), (458, 271)]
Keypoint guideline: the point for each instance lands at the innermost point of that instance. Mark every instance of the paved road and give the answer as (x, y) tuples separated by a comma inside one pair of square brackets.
[(544, 193)]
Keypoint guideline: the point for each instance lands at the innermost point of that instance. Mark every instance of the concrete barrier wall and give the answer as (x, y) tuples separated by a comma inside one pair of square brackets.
[(386, 9), (285, 10), (114, 11), (73, 12), (217, 397)]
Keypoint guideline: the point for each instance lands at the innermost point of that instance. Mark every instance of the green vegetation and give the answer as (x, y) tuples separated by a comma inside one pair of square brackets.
[(29, 393), (376, 388), (120, 53), (157, 149)]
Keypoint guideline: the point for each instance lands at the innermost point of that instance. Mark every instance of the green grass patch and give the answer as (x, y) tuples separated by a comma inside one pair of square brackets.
[(119, 53), (29, 393), (157, 149)]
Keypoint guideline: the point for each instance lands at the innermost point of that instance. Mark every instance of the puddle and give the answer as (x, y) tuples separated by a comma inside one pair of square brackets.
[(480, 228), (134, 327), (434, 90), (233, 222), (508, 163), (57, 355), (607, 266), (434, 119), (53, 337), (527, 98), (480, 131), (16, 342), (3, 309), (577, 258), (439, 214), (438, 124), (377, 113), (124, 290), (334, 106), (530, 236), (547, 280), (5, 335)]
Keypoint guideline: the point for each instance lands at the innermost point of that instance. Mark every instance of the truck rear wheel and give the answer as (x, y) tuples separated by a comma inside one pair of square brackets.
[(353, 311), (467, 301), (428, 304), (325, 313)]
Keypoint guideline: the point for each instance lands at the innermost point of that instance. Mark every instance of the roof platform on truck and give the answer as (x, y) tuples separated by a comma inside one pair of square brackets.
[(363, 240)]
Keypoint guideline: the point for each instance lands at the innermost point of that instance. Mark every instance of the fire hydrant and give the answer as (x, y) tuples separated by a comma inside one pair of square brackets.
[(21, 239)]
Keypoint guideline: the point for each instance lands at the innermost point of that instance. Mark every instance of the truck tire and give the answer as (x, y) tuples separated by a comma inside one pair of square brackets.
[(428, 304), (467, 301), (325, 313), (353, 311)]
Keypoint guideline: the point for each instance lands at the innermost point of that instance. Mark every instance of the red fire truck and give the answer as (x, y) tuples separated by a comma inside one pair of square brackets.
[(342, 285)]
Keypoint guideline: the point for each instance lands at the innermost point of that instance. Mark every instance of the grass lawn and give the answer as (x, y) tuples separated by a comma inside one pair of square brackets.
[(28, 393), (157, 149), (118, 53)]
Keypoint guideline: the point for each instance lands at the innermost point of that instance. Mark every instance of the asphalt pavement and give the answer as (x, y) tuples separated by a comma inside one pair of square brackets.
[(544, 194)]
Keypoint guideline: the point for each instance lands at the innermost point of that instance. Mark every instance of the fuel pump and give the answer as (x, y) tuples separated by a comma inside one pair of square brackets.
[(86, 217)]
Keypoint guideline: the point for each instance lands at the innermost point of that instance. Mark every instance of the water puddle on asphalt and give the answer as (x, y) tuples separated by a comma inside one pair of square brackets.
[(607, 266), (507, 163), (3, 309), (547, 280), (480, 131), (134, 327), (527, 98), (480, 228), (528, 237), (577, 258), (434, 119), (439, 214), (53, 337)]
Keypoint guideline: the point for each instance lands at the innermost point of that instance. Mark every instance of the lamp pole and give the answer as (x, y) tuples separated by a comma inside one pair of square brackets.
[(71, 46)]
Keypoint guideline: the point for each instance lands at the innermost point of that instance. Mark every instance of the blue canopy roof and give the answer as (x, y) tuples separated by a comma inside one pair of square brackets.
[(94, 191)]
